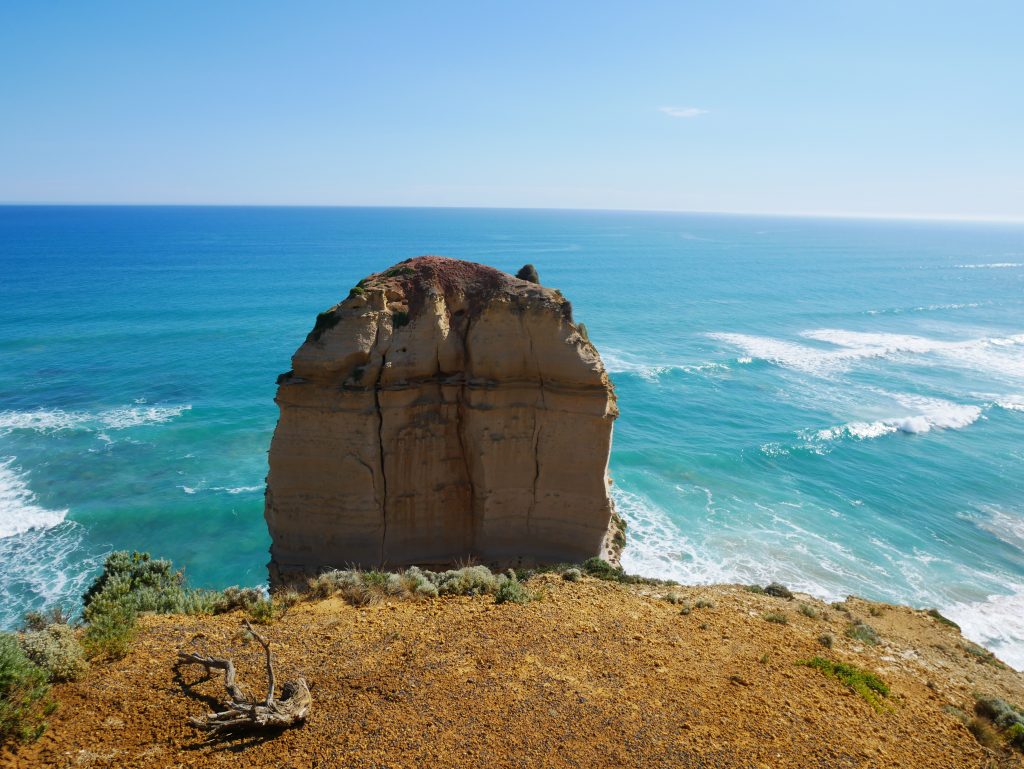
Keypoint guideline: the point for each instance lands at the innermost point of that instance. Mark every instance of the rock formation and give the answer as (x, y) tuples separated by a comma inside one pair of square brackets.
[(444, 412)]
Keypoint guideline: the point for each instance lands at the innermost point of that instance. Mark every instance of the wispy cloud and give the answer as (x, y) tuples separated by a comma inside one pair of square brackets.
[(683, 111)]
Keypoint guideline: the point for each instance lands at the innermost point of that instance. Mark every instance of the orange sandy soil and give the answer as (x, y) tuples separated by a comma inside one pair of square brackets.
[(592, 674)]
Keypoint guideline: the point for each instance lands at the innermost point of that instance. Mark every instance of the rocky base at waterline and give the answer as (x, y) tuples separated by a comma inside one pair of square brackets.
[(585, 673)]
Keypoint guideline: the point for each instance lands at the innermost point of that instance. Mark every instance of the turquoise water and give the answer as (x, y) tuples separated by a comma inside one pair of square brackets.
[(835, 404)]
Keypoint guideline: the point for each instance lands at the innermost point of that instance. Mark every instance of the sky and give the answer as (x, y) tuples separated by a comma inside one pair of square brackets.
[(827, 107)]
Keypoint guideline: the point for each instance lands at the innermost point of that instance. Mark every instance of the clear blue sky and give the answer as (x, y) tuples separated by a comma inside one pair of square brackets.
[(879, 108)]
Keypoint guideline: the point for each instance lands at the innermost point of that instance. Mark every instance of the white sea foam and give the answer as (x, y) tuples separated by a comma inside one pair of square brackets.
[(997, 623), (243, 489), (225, 489), (623, 363), (991, 266), (56, 420), (19, 512), (1015, 403), (1001, 355), (769, 544), (45, 567), (926, 308), (931, 414), (1004, 526)]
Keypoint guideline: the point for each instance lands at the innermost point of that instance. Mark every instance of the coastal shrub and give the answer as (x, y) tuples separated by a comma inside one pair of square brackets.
[(778, 590), (876, 610), (934, 614), (512, 591), (395, 272), (40, 620), (982, 654), (686, 610), (600, 568), (55, 650), (775, 617), (867, 685), (362, 588), (139, 582), (808, 611), (863, 632), (136, 582), (24, 694), (755, 589), (470, 580), (110, 632), (572, 575), (232, 598), (704, 603), (826, 640), (1008, 718), (673, 598), (263, 611), (984, 733), (356, 291)]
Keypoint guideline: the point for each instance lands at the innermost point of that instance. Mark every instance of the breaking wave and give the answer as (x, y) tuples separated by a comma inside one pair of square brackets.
[(55, 420), (622, 363), (932, 414), (19, 512), (1000, 355)]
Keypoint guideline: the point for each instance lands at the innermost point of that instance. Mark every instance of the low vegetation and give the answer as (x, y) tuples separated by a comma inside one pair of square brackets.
[(808, 611), (55, 650), (778, 590), (25, 700), (934, 614), (863, 632), (775, 617), (1007, 718), (867, 685), (981, 654)]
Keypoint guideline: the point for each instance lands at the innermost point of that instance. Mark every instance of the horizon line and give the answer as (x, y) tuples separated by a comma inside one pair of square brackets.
[(962, 218)]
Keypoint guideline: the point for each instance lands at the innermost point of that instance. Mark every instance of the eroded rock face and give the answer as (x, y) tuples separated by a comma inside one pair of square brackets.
[(444, 411)]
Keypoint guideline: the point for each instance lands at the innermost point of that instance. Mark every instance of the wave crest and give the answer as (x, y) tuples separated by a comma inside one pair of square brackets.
[(56, 420)]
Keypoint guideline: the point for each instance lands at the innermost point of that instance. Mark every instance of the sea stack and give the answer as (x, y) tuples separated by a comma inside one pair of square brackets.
[(445, 412)]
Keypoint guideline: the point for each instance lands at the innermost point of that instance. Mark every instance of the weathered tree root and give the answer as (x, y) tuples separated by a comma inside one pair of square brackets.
[(243, 713)]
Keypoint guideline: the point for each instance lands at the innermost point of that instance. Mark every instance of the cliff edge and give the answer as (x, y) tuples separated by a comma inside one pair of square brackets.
[(444, 411)]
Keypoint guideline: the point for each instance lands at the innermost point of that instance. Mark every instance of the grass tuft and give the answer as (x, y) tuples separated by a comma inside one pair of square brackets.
[(867, 685)]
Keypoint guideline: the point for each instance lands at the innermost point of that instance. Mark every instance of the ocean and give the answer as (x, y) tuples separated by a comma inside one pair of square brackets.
[(834, 404)]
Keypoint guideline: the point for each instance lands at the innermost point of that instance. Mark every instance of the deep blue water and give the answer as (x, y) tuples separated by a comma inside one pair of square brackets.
[(835, 404)]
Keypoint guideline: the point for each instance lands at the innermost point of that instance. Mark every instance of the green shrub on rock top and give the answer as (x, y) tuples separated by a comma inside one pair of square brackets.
[(132, 583), (512, 591), (24, 694), (56, 650)]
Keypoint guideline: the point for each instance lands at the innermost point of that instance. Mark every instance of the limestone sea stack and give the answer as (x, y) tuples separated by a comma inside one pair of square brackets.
[(444, 412)]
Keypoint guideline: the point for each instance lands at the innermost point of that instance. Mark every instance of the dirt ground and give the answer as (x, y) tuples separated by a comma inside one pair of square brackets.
[(592, 674)]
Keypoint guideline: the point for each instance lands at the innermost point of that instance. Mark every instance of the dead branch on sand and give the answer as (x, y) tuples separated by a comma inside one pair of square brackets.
[(242, 713)]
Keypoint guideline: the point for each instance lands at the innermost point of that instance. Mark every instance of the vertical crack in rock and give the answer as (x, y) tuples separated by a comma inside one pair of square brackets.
[(460, 430), (538, 412), (380, 444), (528, 402)]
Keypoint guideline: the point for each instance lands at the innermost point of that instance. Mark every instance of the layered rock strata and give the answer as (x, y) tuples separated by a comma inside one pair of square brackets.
[(444, 412)]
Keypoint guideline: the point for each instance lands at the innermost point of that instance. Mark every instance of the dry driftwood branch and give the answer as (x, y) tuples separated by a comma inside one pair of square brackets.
[(243, 713)]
